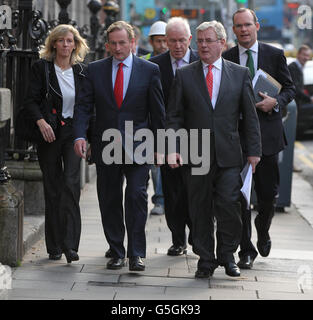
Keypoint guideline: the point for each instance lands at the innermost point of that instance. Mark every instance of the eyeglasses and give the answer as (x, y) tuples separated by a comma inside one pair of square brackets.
[(246, 25), (206, 41)]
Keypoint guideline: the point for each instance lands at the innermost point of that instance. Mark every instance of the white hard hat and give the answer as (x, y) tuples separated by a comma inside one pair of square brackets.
[(158, 28)]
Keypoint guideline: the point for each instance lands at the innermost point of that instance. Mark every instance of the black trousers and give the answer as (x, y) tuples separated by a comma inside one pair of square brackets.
[(266, 184), (176, 204), (60, 168), (215, 194), (110, 194)]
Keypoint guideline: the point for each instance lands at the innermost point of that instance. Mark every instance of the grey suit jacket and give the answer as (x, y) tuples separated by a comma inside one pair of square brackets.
[(190, 108)]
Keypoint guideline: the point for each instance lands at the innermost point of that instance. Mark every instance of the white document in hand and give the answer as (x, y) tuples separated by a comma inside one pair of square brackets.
[(246, 177)]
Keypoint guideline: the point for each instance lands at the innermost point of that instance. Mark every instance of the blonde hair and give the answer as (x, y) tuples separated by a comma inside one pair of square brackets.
[(48, 51), (121, 25)]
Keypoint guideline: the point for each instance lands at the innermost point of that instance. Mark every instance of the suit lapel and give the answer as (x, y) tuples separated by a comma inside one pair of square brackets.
[(225, 81), (236, 58), (261, 57), (168, 69), (133, 79), (106, 74), (193, 56), (201, 84), (53, 81)]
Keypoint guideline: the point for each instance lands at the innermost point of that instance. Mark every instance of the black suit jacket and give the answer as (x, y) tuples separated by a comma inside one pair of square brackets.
[(164, 62), (190, 108), (143, 103), (142, 51), (273, 61), (297, 77), (37, 87)]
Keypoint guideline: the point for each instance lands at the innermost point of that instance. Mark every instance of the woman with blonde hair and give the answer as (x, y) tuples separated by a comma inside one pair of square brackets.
[(60, 69)]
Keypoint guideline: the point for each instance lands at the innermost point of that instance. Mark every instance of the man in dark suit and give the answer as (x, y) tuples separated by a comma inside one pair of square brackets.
[(137, 50), (304, 100), (211, 94), (178, 37), (269, 110), (121, 88)]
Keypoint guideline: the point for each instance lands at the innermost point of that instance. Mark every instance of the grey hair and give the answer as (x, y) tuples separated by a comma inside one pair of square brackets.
[(178, 20), (217, 26)]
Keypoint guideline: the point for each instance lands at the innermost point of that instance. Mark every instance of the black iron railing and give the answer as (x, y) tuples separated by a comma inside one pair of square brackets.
[(19, 47)]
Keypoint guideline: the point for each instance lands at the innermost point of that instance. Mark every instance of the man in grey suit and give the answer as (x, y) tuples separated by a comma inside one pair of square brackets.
[(211, 94)]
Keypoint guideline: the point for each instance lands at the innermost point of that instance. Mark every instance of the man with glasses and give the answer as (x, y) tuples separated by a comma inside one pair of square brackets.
[(256, 55), (210, 94), (178, 37)]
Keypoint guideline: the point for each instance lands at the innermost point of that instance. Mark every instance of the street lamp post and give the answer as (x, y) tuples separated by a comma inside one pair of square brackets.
[(94, 7), (111, 8)]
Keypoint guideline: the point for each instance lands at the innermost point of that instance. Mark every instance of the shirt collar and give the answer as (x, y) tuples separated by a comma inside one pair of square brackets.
[(217, 64), (186, 57), (127, 62), (254, 48), (299, 64)]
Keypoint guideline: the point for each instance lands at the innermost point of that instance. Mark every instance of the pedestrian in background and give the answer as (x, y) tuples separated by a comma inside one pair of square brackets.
[(304, 55), (64, 50), (178, 37), (257, 55), (303, 100), (211, 94), (157, 39), (137, 50)]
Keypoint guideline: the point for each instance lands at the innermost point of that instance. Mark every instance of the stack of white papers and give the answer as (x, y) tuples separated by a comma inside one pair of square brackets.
[(246, 177)]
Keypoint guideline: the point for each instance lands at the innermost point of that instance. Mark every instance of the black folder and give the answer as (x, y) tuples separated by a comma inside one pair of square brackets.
[(265, 86)]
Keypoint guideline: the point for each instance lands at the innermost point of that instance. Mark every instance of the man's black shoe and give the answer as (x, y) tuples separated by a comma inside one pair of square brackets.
[(204, 273), (116, 263), (176, 250), (231, 269), (246, 262), (264, 248), (136, 264), (108, 254), (264, 243), (55, 256)]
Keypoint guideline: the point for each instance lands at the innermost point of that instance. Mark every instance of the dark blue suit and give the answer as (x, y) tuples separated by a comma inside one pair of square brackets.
[(143, 105)]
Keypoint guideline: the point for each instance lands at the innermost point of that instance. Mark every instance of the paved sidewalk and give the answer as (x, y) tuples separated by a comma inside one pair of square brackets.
[(285, 274)]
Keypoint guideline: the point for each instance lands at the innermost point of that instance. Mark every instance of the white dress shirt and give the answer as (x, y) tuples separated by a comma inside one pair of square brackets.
[(67, 86), (217, 75), (243, 57)]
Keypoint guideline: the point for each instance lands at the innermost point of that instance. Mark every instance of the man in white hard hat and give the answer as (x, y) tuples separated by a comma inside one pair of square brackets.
[(157, 39)]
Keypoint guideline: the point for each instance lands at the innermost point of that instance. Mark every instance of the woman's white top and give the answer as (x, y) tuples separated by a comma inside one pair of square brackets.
[(67, 86)]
